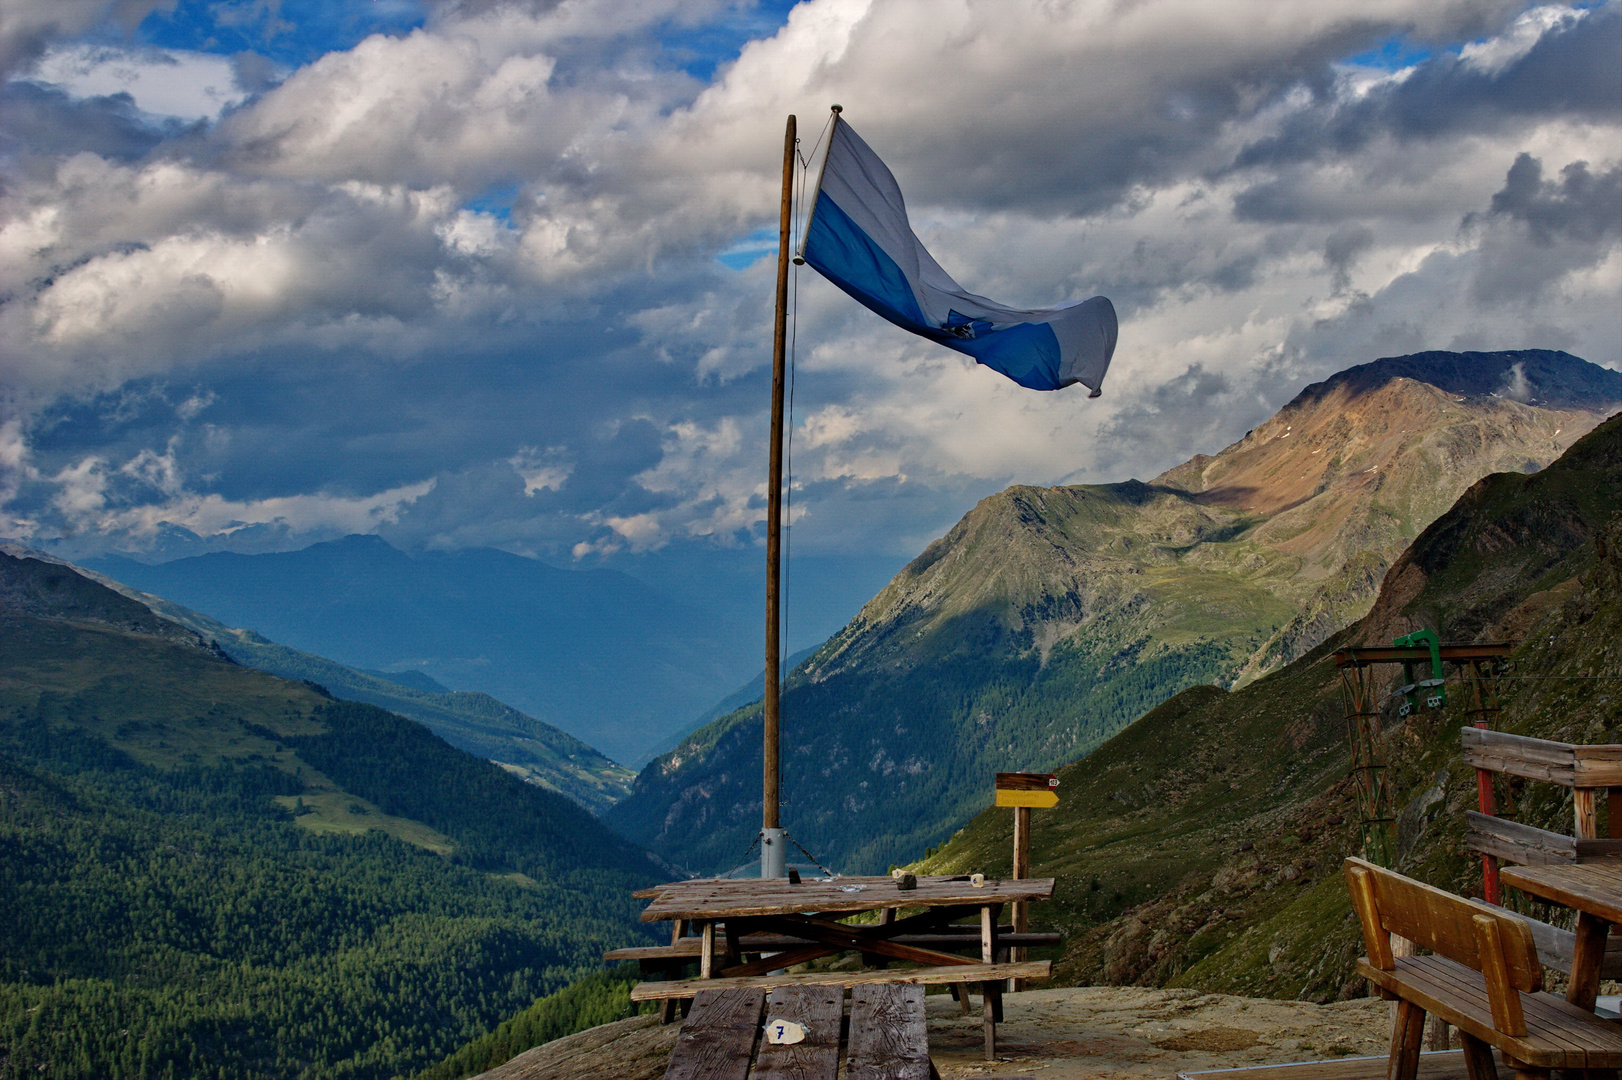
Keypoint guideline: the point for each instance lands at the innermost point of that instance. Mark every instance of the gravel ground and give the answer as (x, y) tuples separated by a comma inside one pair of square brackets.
[(1077, 1033)]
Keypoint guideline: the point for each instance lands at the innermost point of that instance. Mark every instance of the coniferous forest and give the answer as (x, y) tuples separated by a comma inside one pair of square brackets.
[(271, 884)]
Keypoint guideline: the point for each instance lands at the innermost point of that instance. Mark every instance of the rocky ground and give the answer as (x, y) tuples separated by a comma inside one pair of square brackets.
[(1077, 1033)]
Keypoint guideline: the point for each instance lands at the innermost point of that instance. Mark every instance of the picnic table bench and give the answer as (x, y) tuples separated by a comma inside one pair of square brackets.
[(724, 1037), (1484, 978)]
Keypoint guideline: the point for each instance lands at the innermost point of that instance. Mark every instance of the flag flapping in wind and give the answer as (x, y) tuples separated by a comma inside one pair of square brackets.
[(859, 238)]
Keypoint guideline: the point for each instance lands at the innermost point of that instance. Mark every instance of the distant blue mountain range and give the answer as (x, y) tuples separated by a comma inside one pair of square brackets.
[(597, 653)]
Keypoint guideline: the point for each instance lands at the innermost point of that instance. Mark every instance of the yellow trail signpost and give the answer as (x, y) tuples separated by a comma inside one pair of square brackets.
[(1024, 792)]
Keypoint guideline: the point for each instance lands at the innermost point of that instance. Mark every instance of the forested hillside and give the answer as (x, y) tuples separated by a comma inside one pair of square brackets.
[(1049, 618), (1202, 846), (207, 870)]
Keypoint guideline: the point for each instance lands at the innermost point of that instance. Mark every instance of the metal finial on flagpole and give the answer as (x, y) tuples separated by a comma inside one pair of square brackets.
[(837, 108)]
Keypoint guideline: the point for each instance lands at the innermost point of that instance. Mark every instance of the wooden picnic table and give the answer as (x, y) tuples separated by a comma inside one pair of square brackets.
[(723, 910), (1595, 890)]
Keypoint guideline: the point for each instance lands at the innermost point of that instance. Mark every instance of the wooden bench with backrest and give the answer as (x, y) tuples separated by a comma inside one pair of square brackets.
[(725, 1037), (1484, 978)]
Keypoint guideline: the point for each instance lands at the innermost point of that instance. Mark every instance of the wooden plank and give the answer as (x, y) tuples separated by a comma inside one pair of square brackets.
[(1519, 755), (1024, 781), (1599, 766), (688, 948), (722, 899), (1594, 887), (818, 1009), (1568, 764), (1433, 1065), (1030, 969), (1514, 842), (718, 1037), (681, 951), (888, 1037)]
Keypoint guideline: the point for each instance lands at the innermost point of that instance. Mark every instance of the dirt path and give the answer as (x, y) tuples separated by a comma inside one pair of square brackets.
[(1079, 1033), (1109, 1031)]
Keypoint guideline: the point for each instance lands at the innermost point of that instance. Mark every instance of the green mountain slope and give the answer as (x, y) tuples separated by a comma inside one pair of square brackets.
[(208, 870), (1048, 618), (1202, 845), (468, 720)]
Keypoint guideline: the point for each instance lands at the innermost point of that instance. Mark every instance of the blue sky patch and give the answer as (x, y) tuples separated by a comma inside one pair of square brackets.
[(496, 200), (1393, 54), (699, 50), (293, 32), (748, 250)]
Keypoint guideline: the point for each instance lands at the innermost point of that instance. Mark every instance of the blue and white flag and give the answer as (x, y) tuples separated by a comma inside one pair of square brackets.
[(858, 237)]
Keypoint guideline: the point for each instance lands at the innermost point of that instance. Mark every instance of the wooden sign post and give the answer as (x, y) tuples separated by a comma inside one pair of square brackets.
[(1023, 792)]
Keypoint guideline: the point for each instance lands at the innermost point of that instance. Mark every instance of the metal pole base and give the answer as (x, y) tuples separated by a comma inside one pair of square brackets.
[(773, 853)]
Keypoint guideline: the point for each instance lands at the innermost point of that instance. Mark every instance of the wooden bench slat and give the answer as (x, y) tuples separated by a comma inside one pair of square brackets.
[(819, 1009), (690, 947), (1559, 1035), (1539, 1026), (718, 1037), (956, 973), (888, 1037)]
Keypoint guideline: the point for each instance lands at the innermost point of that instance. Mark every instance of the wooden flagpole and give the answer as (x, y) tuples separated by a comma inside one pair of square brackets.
[(772, 856)]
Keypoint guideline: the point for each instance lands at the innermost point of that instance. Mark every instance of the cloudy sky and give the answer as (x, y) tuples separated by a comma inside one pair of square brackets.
[(495, 273)]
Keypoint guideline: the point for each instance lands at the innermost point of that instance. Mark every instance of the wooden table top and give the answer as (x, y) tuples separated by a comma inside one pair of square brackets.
[(720, 898), (1594, 887)]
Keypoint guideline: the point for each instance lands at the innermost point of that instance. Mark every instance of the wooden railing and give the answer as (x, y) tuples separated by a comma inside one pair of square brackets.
[(1590, 772)]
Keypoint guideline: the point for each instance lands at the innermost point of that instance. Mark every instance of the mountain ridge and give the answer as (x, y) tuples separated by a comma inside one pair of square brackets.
[(586, 651), (1048, 617), (468, 720)]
